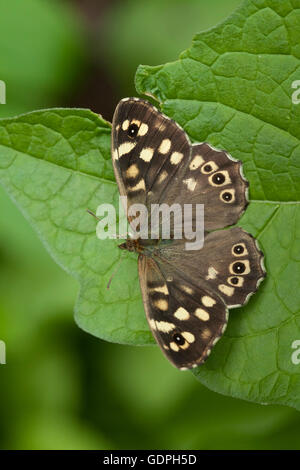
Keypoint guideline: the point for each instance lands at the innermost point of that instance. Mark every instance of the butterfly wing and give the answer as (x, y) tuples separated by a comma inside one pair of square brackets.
[(212, 177), (147, 150), (186, 320), (230, 264)]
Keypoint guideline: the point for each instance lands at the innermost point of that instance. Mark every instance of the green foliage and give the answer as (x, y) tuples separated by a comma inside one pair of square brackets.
[(134, 32), (41, 53), (232, 88)]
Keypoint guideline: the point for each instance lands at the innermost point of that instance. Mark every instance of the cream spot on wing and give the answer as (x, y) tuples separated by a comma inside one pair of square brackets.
[(165, 346), (189, 337), (196, 162), (152, 324), (187, 289), (206, 333), (226, 290), (132, 171), (115, 155), (165, 146), (182, 314), (215, 340), (163, 289), (208, 301), (190, 183), (162, 176), (143, 129), (146, 154), (139, 186), (176, 158), (202, 314), (159, 125), (135, 121), (125, 125), (212, 273), (125, 148), (174, 346), (164, 326), (161, 304)]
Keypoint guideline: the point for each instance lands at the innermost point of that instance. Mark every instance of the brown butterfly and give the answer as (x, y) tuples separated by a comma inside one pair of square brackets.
[(186, 293)]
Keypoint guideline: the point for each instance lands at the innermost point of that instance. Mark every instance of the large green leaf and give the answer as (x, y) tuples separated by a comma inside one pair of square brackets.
[(233, 88)]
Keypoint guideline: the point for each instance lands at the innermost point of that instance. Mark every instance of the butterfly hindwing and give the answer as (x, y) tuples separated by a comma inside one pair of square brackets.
[(230, 264), (186, 320)]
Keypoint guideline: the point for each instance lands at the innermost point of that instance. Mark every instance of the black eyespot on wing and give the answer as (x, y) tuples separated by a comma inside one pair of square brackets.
[(178, 339), (238, 267), (218, 178), (132, 131), (238, 249), (227, 196), (207, 168)]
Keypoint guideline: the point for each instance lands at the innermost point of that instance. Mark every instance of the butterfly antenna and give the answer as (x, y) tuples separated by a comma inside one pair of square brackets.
[(92, 213), (115, 270), (121, 237)]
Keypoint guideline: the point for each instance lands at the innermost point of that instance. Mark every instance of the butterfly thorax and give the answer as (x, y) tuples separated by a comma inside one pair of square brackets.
[(132, 245), (147, 247)]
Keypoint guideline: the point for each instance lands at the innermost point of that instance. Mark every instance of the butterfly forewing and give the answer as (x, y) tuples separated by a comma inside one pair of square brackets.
[(213, 178), (148, 149)]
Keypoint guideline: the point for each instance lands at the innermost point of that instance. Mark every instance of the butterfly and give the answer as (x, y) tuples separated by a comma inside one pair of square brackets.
[(186, 293)]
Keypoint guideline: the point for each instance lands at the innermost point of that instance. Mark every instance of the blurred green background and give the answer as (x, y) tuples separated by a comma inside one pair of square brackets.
[(61, 388)]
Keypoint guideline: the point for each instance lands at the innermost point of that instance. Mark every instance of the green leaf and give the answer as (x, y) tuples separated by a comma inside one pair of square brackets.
[(233, 88), (55, 164)]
